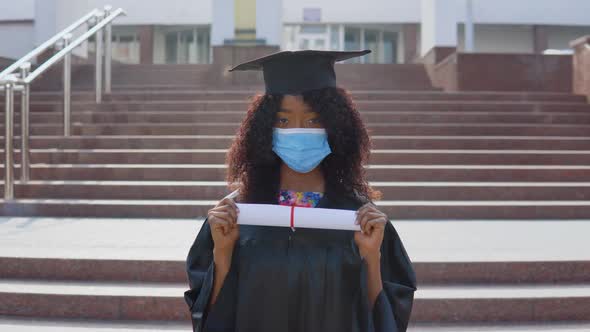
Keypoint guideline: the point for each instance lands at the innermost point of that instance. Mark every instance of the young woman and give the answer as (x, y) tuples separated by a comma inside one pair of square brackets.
[(302, 143)]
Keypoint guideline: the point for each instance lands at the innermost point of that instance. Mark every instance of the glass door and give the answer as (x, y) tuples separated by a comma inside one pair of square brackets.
[(183, 45)]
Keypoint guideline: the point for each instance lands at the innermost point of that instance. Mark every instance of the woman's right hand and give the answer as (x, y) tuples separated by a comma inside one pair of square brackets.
[(223, 221)]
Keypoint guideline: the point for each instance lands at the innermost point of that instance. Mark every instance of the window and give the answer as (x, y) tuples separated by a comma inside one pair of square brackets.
[(380, 38), (181, 44)]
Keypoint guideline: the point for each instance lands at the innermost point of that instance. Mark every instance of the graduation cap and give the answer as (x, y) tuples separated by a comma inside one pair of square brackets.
[(292, 72)]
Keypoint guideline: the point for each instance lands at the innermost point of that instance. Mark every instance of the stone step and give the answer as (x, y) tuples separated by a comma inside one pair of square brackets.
[(85, 87), (206, 77), (392, 128), (24, 324), (362, 105), (96, 117), (564, 326), (27, 324), (156, 271), (374, 95), (94, 300), (151, 95), (216, 172), (502, 303), (357, 94), (210, 190), (167, 271), (460, 303), (378, 156), (417, 209), (379, 142)]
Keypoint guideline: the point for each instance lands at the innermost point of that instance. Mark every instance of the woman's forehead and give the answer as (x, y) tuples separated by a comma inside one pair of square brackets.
[(294, 103)]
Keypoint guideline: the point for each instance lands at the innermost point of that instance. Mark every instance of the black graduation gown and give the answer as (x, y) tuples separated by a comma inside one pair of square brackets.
[(310, 280)]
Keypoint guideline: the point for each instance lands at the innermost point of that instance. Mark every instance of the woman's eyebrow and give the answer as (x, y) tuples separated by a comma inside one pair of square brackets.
[(284, 110)]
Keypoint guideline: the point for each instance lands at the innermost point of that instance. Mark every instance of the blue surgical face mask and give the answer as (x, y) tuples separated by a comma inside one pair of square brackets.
[(302, 149)]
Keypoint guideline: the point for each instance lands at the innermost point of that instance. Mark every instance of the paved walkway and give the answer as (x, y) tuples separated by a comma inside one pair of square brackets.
[(170, 239)]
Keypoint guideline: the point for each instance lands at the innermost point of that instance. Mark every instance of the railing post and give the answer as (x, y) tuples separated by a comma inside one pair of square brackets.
[(98, 69), (108, 52), (8, 136), (25, 176), (67, 80)]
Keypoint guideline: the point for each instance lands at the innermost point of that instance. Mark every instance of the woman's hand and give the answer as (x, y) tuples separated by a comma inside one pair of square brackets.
[(223, 221), (369, 239)]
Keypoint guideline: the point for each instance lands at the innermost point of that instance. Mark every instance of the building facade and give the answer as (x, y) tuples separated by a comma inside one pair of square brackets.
[(398, 31)]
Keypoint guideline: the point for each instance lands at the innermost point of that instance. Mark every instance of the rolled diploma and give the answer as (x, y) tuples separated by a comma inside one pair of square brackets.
[(280, 215)]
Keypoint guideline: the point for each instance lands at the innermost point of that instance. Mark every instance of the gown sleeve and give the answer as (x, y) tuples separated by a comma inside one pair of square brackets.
[(393, 305), (200, 268)]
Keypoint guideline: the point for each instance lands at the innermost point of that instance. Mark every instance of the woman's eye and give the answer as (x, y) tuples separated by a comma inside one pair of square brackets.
[(282, 120), (315, 120)]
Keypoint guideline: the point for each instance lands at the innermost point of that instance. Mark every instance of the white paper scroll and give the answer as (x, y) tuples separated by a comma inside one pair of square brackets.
[(280, 215)]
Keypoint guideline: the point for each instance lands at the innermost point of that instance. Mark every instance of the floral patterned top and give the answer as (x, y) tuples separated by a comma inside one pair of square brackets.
[(299, 198)]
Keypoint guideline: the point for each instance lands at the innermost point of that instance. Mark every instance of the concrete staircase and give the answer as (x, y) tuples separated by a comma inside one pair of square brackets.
[(127, 274), (407, 77), (437, 155), (515, 162)]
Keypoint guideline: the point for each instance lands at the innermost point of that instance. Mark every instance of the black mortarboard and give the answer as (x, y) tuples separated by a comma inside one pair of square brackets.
[(292, 72)]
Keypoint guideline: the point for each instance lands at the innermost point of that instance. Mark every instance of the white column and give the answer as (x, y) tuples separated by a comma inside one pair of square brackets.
[(341, 36), (380, 55), (328, 37), (439, 23), (223, 24), (468, 26), (400, 54), (362, 42), (269, 21), (196, 48)]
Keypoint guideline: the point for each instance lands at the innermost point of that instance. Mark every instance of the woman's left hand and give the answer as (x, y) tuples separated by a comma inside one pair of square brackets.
[(369, 239)]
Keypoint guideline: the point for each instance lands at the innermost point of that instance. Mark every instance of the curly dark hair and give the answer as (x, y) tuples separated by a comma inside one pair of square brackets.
[(255, 169)]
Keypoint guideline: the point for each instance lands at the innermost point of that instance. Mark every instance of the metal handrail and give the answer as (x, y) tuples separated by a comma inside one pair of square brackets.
[(15, 88), (51, 42), (66, 50), (11, 82)]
